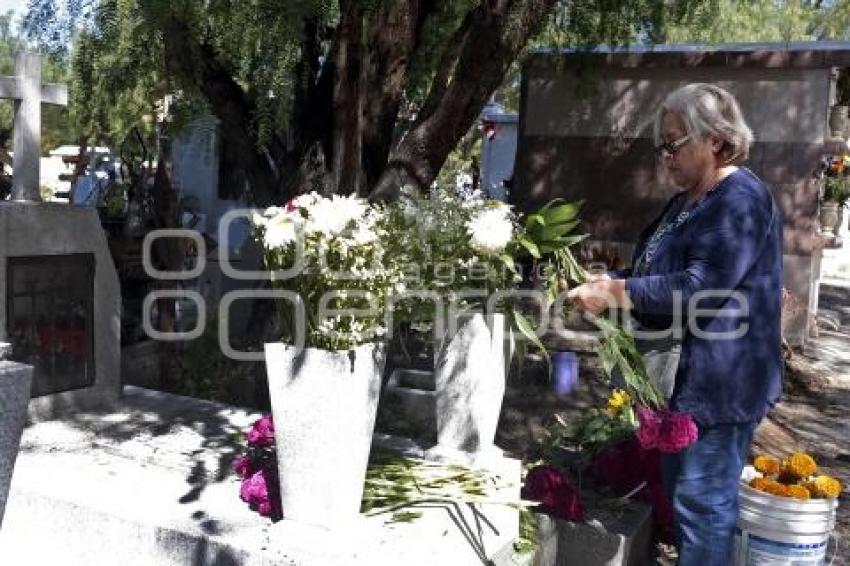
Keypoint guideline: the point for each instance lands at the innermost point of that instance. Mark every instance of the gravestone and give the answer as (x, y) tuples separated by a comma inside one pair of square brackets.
[(27, 92), (15, 382), (60, 303), (498, 150), (585, 134)]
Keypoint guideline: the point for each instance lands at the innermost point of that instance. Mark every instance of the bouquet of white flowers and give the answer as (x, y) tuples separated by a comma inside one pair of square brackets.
[(458, 249), (331, 253)]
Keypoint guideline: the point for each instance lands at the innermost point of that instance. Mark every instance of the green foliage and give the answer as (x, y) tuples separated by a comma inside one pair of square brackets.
[(590, 433), (528, 538), (618, 352), (836, 189), (726, 21)]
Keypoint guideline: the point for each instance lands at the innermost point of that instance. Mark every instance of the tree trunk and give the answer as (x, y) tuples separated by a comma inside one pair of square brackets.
[(348, 101), (169, 254), (490, 39)]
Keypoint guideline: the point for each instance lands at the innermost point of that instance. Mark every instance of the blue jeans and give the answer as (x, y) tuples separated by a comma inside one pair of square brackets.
[(702, 484)]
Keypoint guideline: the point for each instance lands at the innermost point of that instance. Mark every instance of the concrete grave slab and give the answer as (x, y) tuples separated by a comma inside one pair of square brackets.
[(151, 484)]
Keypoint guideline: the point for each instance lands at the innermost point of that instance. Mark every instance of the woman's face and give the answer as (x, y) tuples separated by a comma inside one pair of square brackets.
[(691, 160)]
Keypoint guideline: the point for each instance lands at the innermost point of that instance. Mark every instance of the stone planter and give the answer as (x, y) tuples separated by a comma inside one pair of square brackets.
[(836, 229), (828, 217), (323, 404), (469, 376), (838, 121), (15, 384)]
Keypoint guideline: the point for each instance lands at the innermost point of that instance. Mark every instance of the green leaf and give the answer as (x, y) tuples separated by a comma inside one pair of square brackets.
[(530, 246), (562, 213), (526, 329), (534, 219), (508, 261), (554, 231)]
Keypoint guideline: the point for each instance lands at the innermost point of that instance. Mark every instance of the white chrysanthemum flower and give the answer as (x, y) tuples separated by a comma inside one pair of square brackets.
[(306, 200), (281, 230), (259, 220), (331, 216), (272, 211), (490, 229), (364, 235)]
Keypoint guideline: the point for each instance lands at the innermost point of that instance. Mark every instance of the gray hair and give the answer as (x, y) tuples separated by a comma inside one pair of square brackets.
[(708, 110)]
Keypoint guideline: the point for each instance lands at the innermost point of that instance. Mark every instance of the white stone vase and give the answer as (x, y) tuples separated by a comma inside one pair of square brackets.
[(469, 374), (323, 404), (828, 217), (15, 385)]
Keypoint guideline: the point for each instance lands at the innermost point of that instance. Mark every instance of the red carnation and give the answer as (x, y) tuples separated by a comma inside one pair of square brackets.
[(553, 489)]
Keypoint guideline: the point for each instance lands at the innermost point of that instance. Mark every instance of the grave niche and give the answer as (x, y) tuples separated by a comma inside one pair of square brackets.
[(50, 319)]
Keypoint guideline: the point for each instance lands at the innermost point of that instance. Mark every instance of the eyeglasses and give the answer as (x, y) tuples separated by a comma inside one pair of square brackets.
[(673, 147)]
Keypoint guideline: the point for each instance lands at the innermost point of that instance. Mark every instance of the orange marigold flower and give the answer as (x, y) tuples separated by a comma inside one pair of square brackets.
[(826, 486), (800, 465), (798, 492), (768, 465), (772, 487), (759, 483)]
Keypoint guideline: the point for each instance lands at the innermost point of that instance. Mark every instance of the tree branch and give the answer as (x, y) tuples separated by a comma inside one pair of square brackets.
[(498, 31)]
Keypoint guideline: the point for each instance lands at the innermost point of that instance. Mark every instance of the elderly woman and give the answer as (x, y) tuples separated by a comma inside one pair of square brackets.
[(714, 255)]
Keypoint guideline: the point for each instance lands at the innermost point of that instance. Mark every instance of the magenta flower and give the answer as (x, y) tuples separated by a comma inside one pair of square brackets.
[(261, 434), (254, 489), (649, 427), (666, 430), (678, 431), (553, 489), (261, 491), (242, 466)]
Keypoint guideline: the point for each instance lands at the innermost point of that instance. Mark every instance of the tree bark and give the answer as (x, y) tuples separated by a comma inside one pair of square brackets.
[(497, 32), (349, 93), (394, 37)]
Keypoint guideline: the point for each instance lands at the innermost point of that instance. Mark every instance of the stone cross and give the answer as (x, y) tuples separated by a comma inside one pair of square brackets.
[(26, 90)]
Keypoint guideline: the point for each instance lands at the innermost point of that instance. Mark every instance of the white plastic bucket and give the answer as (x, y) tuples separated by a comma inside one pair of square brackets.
[(781, 531)]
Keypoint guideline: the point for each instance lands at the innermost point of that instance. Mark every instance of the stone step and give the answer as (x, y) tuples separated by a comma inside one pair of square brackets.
[(151, 484)]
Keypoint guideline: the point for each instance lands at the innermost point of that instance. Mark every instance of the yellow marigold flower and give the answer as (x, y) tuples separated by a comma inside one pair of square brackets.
[(800, 465), (768, 465), (798, 492), (826, 486), (618, 400)]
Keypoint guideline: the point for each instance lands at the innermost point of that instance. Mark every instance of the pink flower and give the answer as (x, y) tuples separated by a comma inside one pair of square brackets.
[(649, 427), (254, 489), (261, 434), (557, 495), (242, 466), (666, 430), (678, 431)]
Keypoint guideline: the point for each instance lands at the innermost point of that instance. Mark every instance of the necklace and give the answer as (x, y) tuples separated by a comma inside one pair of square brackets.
[(665, 227)]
